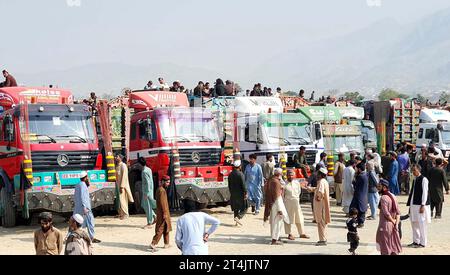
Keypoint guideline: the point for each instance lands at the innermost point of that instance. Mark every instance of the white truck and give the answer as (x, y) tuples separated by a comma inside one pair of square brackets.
[(263, 128), (434, 127)]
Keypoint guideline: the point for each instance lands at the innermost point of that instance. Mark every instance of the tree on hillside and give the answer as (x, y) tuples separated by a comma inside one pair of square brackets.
[(290, 93), (354, 97), (107, 96), (444, 97), (388, 94), (421, 99)]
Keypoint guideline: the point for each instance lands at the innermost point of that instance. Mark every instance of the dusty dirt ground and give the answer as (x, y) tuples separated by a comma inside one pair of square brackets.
[(128, 238)]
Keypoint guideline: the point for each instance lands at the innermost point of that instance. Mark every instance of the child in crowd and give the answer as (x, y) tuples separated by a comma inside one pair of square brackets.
[(352, 235)]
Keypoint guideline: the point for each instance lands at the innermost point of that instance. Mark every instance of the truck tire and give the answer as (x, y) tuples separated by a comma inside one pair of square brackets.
[(9, 211)]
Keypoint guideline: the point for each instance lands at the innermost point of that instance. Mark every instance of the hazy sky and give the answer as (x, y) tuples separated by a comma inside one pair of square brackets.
[(213, 34)]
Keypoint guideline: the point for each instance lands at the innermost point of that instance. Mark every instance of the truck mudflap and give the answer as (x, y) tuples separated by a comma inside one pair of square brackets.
[(201, 191), (59, 198)]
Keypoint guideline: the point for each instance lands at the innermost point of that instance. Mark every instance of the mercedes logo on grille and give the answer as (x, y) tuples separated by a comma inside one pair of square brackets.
[(196, 157), (63, 160)]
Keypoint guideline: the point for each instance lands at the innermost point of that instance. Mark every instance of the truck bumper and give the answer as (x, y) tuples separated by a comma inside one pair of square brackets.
[(203, 192), (59, 200)]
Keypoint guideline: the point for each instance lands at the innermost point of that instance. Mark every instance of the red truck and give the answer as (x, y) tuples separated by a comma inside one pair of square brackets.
[(45, 143), (176, 140)]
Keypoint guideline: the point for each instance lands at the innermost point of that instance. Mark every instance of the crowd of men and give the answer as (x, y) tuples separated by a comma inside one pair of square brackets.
[(191, 235)]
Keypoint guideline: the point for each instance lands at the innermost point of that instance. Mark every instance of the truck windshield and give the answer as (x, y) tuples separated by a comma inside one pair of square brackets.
[(60, 129), (446, 137), (369, 133), (189, 130), (347, 143), (295, 134)]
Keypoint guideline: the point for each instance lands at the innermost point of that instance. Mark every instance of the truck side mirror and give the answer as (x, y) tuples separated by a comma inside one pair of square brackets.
[(317, 131)]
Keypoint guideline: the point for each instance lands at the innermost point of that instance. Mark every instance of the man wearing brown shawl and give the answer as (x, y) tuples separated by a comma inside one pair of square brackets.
[(274, 208), (388, 237), (322, 213)]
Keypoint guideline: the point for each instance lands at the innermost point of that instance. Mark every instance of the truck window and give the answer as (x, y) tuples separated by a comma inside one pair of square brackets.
[(142, 131), (421, 133), (250, 133), (133, 131), (429, 133), (1, 130)]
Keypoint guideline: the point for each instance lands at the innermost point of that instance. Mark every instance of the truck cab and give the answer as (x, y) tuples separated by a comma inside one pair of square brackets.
[(355, 116), (50, 141), (162, 127), (434, 127)]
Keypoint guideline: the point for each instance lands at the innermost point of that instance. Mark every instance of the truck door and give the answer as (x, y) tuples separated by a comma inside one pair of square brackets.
[(8, 146)]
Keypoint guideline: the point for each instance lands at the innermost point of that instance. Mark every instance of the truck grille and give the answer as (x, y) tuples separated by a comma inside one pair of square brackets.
[(48, 161), (203, 157)]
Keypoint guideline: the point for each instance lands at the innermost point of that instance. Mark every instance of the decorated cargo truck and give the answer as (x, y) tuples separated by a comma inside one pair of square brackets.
[(45, 144)]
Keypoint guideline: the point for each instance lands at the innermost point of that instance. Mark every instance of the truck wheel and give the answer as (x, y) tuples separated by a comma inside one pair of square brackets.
[(9, 211)]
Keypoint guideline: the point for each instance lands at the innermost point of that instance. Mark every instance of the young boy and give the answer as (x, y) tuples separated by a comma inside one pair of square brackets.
[(352, 235)]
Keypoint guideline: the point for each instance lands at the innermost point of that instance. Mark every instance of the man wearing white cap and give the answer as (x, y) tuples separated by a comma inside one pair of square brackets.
[(78, 241), (83, 205), (238, 192)]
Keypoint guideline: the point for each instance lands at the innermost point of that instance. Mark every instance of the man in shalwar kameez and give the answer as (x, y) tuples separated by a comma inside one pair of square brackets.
[(388, 237), (419, 208), (292, 193), (123, 188), (83, 205), (147, 200), (275, 209), (322, 213), (163, 223), (254, 180), (348, 190)]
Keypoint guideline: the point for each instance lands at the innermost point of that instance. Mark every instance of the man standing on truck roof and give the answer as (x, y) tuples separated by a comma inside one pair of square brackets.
[(123, 186), (10, 81), (163, 86), (254, 180), (147, 200), (83, 205), (48, 240)]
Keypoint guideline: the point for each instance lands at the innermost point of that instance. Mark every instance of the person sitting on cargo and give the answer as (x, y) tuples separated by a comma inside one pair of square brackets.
[(206, 90), (10, 81), (163, 86), (219, 88), (199, 89), (301, 94), (175, 87), (150, 86), (301, 162), (229, 88), (256, 90)]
